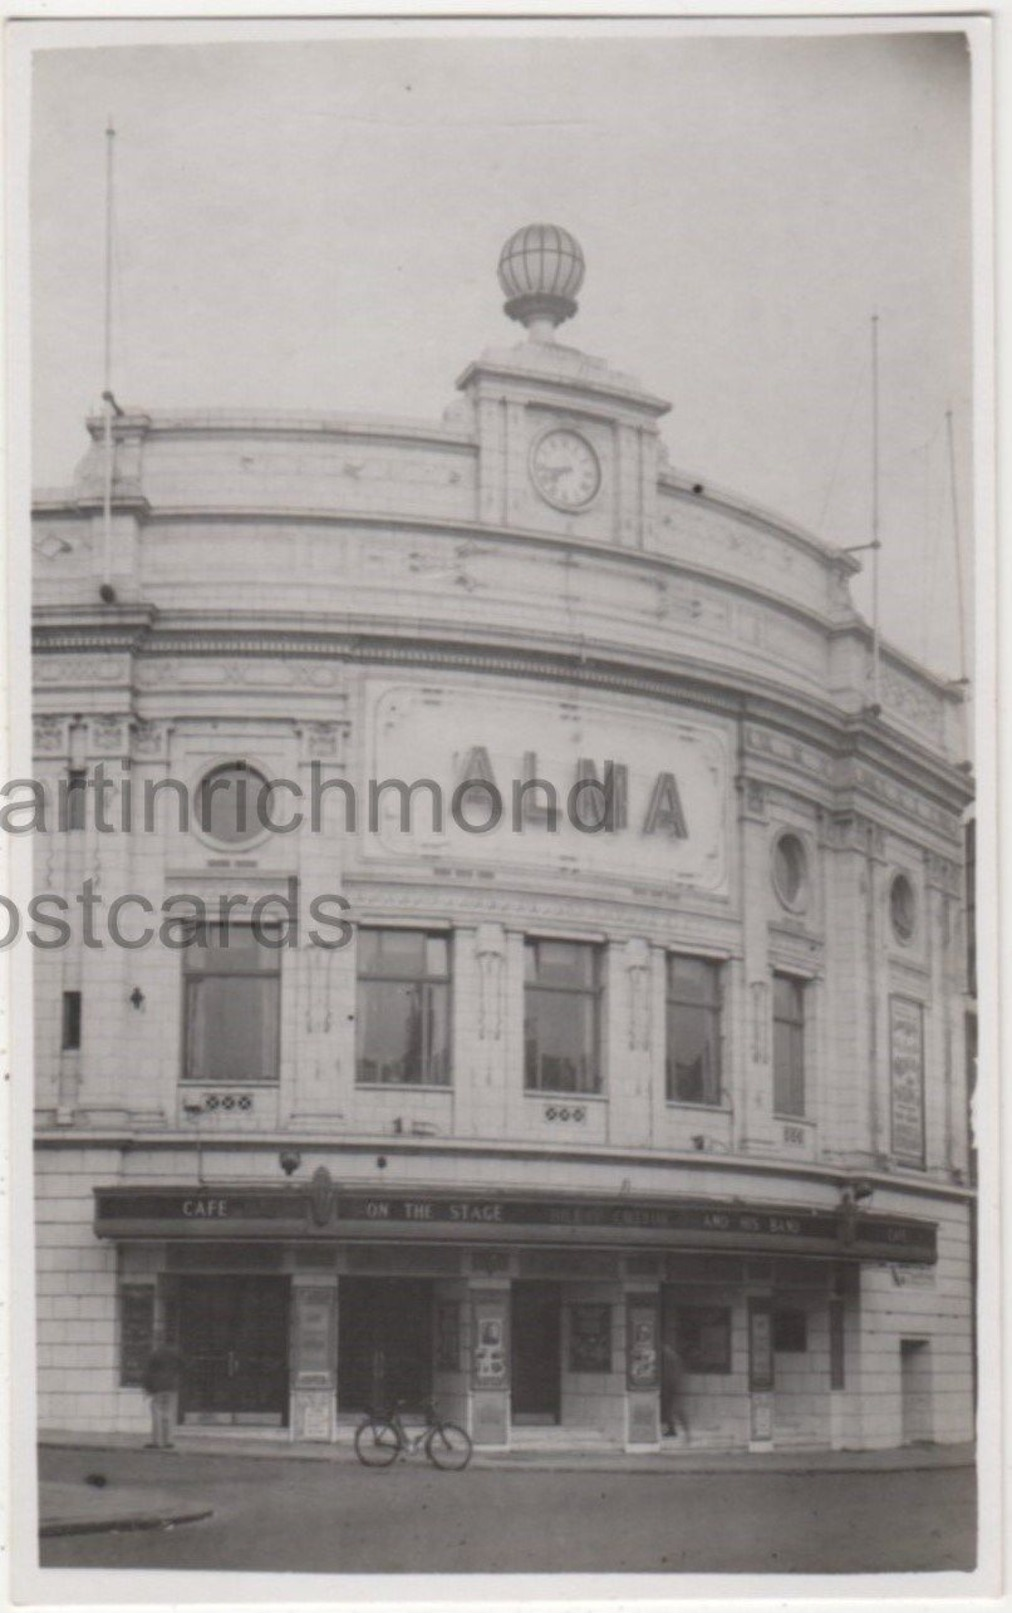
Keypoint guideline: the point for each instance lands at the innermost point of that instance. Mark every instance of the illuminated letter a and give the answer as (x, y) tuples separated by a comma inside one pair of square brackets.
[(665, 813)]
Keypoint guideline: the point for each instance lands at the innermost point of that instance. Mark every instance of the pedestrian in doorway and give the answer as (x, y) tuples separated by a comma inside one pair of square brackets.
[(161, 1382), (673, 1392)]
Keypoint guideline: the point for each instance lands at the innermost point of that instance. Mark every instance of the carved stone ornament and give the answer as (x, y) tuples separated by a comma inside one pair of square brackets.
[(490, 946), (638, 967), (70, 670), (759, 992), (109, 734), (324, 740), (904, 697), (321, 1196), (148, 737), (50, 735), (942, 873), (755, 798)]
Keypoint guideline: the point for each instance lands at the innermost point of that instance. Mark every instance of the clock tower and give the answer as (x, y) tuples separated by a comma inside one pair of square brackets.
[(567, 445)]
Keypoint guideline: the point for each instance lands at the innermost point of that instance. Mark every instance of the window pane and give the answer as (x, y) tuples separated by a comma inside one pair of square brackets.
[(71, 1021), (789, 869), (229, 806), (389, 1031), (692, 980), (394, 953), (788, 1068), (564, 963), (561, 1035), (787, 1001), (232, 948), (232, 1028), (437, 955), (693, 1054), (403, 1032), (438, 1049)]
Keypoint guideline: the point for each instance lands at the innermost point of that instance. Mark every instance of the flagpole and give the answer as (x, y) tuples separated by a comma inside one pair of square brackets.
[(876, 640), (958, 541), (107, 396), (875, 544)]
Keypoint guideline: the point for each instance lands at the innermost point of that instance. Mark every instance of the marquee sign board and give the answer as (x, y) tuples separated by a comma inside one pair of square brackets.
[(360, 1215), (658, 781)]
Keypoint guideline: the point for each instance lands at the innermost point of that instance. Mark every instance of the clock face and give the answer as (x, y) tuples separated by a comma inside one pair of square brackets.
[(565, 470)]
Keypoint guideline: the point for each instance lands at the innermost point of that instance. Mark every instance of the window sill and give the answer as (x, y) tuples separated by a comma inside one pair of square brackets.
[(698, 1108), (404, 1086), (794, 1120), (544, 1095), (195, 1082)]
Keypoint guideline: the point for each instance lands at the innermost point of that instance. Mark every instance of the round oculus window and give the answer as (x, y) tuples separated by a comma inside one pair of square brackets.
[(233, 804), (902, 908), (790, 870)]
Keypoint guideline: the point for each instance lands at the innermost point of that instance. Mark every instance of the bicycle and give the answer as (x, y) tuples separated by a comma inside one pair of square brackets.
[(382, 1437)]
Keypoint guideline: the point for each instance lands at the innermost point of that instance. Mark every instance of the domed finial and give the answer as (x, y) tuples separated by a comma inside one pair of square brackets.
[(541, 269)]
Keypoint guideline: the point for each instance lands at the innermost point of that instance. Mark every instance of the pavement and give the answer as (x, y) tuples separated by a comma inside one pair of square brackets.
[(83, 1509), (86, 1508)]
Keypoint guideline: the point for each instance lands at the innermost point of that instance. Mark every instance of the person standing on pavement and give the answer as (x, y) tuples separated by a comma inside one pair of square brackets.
[(673, 1391), (161, 1382)]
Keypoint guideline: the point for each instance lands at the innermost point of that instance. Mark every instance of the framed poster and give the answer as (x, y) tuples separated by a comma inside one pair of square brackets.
[(760, 1344), (906, 1080), (490, 1358), (642, 1370), (314, 1335), (590, 1338)]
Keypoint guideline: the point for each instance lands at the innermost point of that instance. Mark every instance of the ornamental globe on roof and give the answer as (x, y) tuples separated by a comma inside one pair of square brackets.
[(541, 269)]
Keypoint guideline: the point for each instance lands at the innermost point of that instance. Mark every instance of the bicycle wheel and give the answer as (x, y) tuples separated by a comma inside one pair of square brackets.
[(376, 1444), (448, 1447)]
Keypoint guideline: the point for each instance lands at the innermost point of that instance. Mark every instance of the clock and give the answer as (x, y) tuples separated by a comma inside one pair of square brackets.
[(565, 469)]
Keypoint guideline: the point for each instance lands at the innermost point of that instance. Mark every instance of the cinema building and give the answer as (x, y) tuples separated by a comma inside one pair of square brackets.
[(672, 1053)]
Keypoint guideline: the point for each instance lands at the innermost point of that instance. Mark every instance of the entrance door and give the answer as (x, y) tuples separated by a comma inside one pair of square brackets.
[(915, 1390), (384, 1350), (535, 1329), (233, 1346)]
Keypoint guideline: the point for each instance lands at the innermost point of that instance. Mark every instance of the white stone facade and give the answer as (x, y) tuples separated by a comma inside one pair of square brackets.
[(346, 599)]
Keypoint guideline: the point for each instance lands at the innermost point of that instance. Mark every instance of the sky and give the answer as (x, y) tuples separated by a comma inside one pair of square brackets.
[(314, 225)]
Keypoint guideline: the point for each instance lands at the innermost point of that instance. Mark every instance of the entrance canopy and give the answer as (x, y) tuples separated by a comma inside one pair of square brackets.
[(324, 1211)]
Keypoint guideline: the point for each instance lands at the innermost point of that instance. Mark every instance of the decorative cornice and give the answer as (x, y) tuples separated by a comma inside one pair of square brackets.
[(682, 487), (607, 385), (383, 1142), (833, 732), (226, 423), (475, 531)]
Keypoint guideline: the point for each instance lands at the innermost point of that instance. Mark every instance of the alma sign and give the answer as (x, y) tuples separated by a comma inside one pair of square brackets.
[(639, 794)]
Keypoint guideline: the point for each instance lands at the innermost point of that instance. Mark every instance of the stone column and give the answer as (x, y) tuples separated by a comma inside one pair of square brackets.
[(321, 1033), (630, 1041), (313, 1336), (754, 1094), (489, 1351), (643, 1365)]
